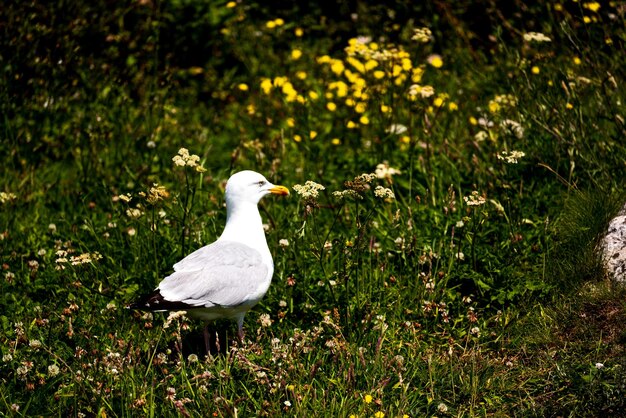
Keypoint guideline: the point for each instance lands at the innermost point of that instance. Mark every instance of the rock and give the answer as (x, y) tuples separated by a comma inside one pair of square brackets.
[(613, 247)]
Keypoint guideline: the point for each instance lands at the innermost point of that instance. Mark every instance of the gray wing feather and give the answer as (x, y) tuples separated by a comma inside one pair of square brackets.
[(223, 273)]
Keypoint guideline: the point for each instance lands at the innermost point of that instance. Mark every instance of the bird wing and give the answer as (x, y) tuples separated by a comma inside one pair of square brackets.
[(224, 273)]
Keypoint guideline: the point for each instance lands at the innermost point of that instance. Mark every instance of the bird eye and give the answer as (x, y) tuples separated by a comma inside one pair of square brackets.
[(261, 183)]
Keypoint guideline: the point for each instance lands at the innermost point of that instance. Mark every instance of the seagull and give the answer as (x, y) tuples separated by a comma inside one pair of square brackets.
[(225, 279)]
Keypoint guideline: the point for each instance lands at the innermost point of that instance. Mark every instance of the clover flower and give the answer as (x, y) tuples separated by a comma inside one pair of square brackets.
[(53, 370), (265, 320)]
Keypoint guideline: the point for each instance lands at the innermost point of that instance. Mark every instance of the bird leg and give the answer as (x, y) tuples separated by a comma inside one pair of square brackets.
[(240, 334), (211, 340)]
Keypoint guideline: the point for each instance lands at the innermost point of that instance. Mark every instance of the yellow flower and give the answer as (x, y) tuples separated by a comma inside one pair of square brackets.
[(360, 107), (368, 398), (535, 70), (335, 141), (569, 106), (266, 85), (452, 106), (494, 107), (350, 125), (297, 138), (301, 75), (405, 139), (313, 134), (324, 59), (593, 6), (279, 81), (586, 19), (416, 74), (313, 95), (298, 32), (371, 64), (337, 66), (231, 4), (379, 74), (296, 54), (271, 24), (331, 106), (435, 60), (577, 61), (379, 414), (364, 120), (558, 7), (243, 87), (473, 121), (358, 65), (385, 108), (291, 122), (251, 109), (279, 22)]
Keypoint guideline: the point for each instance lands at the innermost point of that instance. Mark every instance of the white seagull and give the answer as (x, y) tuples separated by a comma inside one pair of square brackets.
[(227, 278)]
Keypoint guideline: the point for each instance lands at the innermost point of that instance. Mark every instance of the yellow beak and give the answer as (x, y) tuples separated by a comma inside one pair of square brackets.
[(280, 190)]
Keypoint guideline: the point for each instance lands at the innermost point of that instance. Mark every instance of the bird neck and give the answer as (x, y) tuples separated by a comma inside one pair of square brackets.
[(244, 224)]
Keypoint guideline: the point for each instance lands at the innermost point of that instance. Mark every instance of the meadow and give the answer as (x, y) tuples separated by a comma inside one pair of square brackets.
[(452, 167)]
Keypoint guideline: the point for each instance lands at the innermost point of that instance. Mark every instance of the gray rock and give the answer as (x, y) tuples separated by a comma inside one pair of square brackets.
[(613, 247)]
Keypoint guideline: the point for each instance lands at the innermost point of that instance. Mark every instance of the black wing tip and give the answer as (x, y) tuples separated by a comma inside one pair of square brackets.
[(156, 302)]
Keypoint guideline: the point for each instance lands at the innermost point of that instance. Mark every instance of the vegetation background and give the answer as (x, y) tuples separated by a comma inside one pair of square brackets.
[(443, 262)]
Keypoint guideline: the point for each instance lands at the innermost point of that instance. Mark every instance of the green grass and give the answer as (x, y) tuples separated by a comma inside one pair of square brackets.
[(476, 290)]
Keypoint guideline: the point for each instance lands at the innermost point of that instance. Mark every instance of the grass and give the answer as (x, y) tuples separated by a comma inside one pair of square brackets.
[(447, 267)]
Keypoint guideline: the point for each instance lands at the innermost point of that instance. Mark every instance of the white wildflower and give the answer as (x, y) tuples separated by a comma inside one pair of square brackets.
[(283, 243), (474, 199), (174, 316), (125, 197), (511, 157), (396, 129), (384, 193), (481, 136), (7, 197), (184, 159), (536, 37), (513, 127), (310, 190), (384, 171), (422, 35)]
